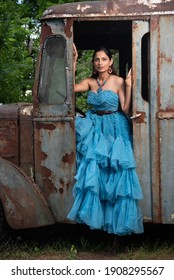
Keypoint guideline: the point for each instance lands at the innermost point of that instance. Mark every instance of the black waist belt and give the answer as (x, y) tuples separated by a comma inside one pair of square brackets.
[(101, 113)]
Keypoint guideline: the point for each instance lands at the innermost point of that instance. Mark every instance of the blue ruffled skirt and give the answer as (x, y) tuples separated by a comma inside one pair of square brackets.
[(107, 189)]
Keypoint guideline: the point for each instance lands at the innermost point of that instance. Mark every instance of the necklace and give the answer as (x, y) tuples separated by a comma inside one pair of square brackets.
[(102, 84)]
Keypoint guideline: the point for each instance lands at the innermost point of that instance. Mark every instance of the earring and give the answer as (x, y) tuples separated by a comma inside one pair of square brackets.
[(94, 71), (110, 70)]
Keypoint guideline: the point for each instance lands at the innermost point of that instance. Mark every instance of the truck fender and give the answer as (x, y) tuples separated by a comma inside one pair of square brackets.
[(23, 202)]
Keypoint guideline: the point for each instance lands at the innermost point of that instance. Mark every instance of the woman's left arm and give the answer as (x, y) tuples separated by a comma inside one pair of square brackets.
[(125, 93)]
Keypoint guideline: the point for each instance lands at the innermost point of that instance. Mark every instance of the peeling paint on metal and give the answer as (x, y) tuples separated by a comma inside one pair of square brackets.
[(23, 202), (165, 58), (27, 110), (48, 11), (99, 9), (83, 7), (151, 4), (68, 158), (165, 115), (68, 28)]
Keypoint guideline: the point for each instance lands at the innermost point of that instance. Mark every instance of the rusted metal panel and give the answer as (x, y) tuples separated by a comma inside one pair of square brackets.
[(23, 202), (26, 136), (55, 163), (141, 129), (155, 130), (165, 103), (165, 115), (54, 132), (56, 27), (9, 132), (98, 9), (167, 169), (162, 124)]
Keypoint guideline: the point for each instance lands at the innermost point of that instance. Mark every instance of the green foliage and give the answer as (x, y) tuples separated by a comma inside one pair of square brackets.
[(16, 68), (80, 244), (19, 42), (84, 69)]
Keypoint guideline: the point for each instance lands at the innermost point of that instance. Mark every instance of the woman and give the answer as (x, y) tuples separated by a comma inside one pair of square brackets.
[(107, 189)]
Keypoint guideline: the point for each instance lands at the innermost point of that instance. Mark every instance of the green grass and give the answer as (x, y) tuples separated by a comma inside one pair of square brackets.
[(78, 242)]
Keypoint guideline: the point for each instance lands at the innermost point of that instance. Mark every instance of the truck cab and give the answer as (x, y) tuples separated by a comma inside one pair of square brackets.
[(37, 141)]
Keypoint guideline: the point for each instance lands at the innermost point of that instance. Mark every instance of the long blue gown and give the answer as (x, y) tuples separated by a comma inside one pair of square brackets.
[(107, 188)]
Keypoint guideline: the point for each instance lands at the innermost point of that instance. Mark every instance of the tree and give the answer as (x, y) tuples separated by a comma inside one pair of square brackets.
[(16, 64), (19, 30)]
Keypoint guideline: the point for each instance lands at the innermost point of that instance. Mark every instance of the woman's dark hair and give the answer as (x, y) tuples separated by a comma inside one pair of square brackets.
[(109, 54)]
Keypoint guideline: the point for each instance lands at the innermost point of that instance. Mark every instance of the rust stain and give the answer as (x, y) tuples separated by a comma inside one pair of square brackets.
[(45, 32), (46, 172), (20, 207), (168, 109), (165, 114), (165, 58), (72, 125), (9, 147), (62, 183), (69, 158), (49, 187), (113, 7), (61, 190), (68, 28), (135, 26), (158, 92), (68, 185), (142, 118), (16, 208), (158, 173), (156, 185), (48, 126), (155, 23)]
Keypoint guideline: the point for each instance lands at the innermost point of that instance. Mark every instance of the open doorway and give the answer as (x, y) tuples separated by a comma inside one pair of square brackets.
[(114, 35)]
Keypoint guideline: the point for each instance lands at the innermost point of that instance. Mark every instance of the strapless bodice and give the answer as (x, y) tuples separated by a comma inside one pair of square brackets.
[(103, 100)]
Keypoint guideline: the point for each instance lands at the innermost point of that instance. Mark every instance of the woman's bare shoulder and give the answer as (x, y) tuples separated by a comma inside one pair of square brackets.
[(88, 80), (118, 81)]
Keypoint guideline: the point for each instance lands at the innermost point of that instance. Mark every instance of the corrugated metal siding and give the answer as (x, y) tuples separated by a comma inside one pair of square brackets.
[(141, 129), (154, 129), (162, 117)]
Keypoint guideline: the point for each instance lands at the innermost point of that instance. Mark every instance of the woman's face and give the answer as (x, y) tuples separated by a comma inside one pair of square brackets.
[(101, 62)]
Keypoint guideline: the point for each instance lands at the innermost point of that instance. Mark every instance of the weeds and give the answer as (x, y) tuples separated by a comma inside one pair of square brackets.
[(72, 254), (85, 243)]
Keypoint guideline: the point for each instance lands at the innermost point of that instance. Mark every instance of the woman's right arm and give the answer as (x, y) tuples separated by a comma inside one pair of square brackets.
[(84, 84)]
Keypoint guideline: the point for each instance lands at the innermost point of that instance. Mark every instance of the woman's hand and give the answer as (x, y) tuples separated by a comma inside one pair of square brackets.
[(128, 80), (75, 53)]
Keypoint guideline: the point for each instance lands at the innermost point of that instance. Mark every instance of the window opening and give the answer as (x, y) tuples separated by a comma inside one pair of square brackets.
[(145, 67), (52, 87)]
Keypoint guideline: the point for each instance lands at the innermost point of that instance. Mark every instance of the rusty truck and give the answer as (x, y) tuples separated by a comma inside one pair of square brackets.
[(37, 141)]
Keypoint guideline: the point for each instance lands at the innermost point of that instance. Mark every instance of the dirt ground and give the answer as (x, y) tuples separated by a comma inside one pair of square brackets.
[(80, 256)]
